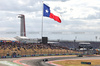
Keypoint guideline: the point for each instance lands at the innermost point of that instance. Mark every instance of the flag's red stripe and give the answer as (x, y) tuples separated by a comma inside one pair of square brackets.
[(56, 18)]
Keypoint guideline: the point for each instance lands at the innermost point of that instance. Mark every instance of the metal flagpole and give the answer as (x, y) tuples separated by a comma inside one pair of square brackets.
[(42, 22)]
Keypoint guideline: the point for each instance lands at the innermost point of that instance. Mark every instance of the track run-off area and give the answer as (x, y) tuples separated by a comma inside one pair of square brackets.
[(38, 61)]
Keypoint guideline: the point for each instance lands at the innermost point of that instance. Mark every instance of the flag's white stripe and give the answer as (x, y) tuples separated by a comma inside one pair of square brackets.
[(55, 13)]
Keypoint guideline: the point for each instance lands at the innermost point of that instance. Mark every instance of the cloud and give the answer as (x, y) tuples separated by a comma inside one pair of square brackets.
[(96, 16), (20, 5), (77, 16), (57, 0)]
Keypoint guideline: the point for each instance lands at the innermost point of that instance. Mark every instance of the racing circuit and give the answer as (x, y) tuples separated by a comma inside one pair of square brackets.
[(38, 61)]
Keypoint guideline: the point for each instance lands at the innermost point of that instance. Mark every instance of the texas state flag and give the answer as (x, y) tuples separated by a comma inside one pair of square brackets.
[(47, 12)]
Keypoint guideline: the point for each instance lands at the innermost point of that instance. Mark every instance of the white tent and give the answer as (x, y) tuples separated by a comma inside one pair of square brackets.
[(7, 39), (20, 37)]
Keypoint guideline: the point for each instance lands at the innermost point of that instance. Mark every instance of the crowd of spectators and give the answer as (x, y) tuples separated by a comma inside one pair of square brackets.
[(11, 45), (62, 45), (17, 46)]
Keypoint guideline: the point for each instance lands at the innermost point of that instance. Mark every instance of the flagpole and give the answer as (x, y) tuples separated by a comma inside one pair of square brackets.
[(42, 22)]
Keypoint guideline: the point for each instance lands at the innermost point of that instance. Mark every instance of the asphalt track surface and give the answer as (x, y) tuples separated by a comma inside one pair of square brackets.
[(40, 62)]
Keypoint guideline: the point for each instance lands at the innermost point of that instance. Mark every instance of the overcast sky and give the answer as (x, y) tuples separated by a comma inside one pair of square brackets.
[(80, 19)]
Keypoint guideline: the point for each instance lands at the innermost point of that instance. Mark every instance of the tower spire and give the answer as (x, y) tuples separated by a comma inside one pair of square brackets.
[(22, 29)]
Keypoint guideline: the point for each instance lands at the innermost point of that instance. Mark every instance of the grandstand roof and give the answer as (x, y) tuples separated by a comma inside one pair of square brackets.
[(53, 42), (7, 38), (21, 37)]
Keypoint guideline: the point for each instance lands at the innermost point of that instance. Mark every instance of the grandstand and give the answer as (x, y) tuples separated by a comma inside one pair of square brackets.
[(9, 47), (72, 44)]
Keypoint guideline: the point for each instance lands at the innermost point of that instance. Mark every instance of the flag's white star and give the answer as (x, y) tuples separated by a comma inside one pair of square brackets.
[(46, 11)]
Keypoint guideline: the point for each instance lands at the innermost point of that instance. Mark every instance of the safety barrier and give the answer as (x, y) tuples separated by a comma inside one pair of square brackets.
[(35, 55)]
